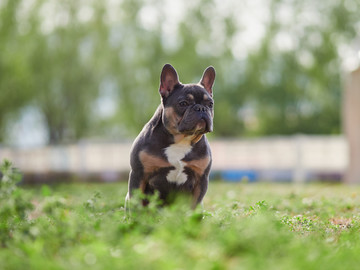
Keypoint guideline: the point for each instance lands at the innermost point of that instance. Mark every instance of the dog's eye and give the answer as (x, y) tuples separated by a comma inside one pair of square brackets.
[(183, 103), (211, 105)]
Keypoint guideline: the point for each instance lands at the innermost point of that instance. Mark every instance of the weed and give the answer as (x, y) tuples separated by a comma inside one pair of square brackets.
[(13, 204), (245, 226)]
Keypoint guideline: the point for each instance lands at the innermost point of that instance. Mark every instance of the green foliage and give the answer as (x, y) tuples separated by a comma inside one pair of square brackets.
[(14, 74), (13, 204), (243, 226), (66, 58)]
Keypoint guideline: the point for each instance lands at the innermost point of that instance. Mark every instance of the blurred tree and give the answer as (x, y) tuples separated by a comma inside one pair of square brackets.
[(92, 67), (14, 76), (67, 69), (298, 85)]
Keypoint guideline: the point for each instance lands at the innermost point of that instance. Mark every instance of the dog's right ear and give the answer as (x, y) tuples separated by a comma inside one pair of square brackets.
[(168, 80)]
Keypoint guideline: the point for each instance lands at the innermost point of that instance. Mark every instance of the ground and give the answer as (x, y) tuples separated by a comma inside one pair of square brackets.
[(242, 226)]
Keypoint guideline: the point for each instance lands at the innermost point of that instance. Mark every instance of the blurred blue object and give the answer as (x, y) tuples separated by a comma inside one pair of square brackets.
[(239, 175), (276, 175)]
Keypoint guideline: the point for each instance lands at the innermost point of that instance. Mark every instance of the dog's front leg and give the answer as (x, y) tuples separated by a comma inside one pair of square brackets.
[(199, 191), (136, 181)]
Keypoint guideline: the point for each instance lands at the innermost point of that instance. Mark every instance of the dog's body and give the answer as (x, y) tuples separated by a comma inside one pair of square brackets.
[(171, 153)]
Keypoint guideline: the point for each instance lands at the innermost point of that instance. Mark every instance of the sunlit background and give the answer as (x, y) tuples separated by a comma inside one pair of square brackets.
[(79, 79)]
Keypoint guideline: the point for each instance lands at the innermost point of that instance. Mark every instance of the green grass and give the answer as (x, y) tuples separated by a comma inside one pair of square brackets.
[(243, 226)]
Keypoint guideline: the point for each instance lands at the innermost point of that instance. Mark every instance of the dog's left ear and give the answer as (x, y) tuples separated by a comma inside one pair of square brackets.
[(208, 79)]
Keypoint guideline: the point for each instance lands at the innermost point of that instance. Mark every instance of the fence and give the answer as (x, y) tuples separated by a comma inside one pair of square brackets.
[(295, 158)]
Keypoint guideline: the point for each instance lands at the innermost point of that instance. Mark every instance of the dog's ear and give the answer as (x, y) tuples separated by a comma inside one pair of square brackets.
[(168, 80), (208, 79)]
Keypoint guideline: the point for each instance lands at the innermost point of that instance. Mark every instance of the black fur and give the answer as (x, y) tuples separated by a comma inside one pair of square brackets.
[(183, 117)]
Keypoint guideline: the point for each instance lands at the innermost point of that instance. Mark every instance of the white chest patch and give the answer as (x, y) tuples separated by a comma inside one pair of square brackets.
[(175, 153)]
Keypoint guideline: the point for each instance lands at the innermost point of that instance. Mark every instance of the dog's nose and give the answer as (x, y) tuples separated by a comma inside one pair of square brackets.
[(199, 108)]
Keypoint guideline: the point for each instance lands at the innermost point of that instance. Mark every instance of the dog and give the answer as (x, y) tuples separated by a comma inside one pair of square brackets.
[(171, 154)]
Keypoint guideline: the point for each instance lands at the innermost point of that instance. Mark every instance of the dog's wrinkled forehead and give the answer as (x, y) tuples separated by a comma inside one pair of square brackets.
[(192, 92)]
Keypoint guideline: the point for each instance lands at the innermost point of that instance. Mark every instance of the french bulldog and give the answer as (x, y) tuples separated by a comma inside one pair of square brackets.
[(171, 154)]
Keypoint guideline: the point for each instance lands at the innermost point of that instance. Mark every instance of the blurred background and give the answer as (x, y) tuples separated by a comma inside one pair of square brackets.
[(79, 79)]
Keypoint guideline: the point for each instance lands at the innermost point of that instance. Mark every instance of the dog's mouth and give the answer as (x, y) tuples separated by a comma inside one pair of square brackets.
[(201, 127), (205, 124)]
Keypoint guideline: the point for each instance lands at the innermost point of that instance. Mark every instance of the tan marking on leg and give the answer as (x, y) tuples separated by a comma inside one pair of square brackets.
[(152, 163), (143, 184), (198, 165), (196, 195)]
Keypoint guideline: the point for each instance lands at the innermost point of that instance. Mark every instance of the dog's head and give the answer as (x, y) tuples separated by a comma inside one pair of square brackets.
[(188, 108)]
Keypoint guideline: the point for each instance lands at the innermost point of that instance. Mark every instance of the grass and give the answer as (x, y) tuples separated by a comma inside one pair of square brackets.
[(243, 226)]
